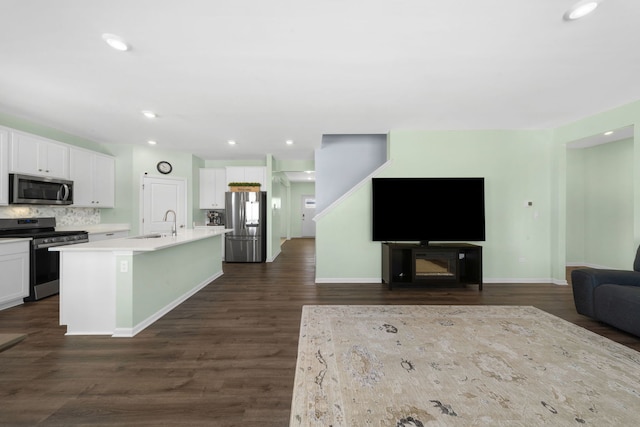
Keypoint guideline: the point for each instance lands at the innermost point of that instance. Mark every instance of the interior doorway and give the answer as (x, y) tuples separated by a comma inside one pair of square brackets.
[(159, 195), (308, 208), (600, 209)]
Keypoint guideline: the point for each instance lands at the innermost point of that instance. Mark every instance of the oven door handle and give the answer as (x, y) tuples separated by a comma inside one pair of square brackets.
[(50, 245), (65, 192)]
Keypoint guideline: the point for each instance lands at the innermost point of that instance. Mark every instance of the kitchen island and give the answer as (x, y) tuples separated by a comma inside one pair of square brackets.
[(118, 287)]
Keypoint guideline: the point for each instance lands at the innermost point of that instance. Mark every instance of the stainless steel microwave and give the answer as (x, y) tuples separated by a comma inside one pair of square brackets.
[(39, 190)]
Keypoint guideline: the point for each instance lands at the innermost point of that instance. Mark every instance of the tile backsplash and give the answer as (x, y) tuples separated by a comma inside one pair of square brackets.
[(63, 215)]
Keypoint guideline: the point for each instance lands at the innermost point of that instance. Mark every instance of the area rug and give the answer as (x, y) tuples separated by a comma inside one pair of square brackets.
[(413, 366)]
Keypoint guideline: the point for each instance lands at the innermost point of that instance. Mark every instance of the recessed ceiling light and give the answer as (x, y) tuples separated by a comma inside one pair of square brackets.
[(115, 42), (289, 142), (581, 9), (150, 142), (609, 132), (149, 114), (231, 142)]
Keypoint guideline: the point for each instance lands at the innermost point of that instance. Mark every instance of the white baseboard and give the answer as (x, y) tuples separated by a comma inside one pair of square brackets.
[(274, 256), (370, 280), (13, 303), (486, 281), (541, 280)]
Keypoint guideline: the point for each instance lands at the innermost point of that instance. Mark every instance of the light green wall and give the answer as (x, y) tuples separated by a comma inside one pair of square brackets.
[(298, 189), (47, 132), (519, 166), (293, 165), (224, 163), (600, 205), (161, 277), (132, 162), (616, 118), (279, 194), (125, 211), (199, 215), (575, 207), (344, 250), (516, 167), (499, 153)]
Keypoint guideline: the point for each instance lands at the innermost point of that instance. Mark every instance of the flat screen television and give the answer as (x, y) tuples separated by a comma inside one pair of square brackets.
[(428, 210)]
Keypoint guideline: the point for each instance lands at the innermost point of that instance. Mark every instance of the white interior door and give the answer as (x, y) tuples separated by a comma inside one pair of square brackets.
[(160, 194), (308, 212)]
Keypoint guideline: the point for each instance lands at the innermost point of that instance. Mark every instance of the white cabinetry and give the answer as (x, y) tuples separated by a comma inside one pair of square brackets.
[(34, 155), (247, 174), (4, 167), (14, 280), (93, 176), (213, 185)]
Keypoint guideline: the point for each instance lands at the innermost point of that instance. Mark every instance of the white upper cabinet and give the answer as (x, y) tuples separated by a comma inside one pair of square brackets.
[(213, 185), (93, 176), (4, 167), (247, 174), (34, 155)]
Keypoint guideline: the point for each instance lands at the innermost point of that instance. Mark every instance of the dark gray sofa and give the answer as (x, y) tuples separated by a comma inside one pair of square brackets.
[(610, 296)]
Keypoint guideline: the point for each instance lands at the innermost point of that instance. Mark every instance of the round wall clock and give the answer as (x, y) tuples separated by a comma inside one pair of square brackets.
[(164, 167)]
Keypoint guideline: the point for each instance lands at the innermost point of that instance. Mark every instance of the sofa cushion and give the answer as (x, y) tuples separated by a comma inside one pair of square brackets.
[(618, 306)]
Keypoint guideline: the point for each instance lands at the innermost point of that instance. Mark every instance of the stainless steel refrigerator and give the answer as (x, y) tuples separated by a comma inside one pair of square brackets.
[(246, 214)]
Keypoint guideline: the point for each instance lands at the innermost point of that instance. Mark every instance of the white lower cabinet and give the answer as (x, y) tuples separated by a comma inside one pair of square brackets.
[(14, 280)]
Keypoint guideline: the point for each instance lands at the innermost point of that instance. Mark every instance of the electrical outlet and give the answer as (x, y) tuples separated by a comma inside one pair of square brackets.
[(124, 266)]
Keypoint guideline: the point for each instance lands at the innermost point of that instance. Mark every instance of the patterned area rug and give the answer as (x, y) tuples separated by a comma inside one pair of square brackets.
[(413, 366)]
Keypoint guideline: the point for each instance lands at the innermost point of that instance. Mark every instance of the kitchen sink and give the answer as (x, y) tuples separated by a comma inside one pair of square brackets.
[(147, 236)]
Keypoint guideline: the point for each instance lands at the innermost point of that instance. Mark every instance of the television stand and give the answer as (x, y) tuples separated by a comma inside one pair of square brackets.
[(434, 265)]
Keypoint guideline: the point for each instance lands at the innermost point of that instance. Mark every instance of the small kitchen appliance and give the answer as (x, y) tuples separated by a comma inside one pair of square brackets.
[(38, 190), (216, 218)]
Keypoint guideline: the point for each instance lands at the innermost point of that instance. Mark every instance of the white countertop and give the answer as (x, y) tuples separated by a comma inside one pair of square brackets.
[(95, 228), (131, 244), (13, 239)]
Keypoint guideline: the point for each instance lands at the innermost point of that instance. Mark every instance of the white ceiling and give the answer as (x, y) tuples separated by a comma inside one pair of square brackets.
[(264, 71)]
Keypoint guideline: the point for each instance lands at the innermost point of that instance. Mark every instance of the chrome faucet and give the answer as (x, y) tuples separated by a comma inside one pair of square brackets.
[(174, 232)]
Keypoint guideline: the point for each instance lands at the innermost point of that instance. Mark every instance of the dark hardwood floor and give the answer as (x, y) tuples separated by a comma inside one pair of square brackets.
[(226, 357)]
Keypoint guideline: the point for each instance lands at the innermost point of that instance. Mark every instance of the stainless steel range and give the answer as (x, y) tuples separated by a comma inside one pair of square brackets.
[(44, 270)]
